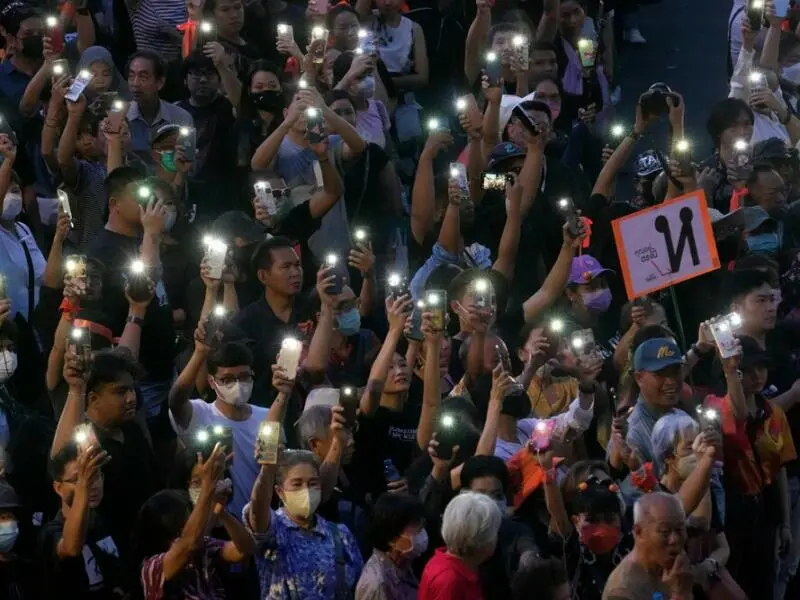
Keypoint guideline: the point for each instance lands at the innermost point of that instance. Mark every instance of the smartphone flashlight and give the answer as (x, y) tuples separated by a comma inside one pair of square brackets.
[(347, 391), (137, 267), (283, 28), (219, 311), (711, 414), (541, 426), (81, 436), (206, 27), (756, 77), (735, 320), (617, 130), (51, 21), (312, 112), (682, 146), (218, 430), (202, 436), (433, 299), (144, 192), (84, 74), (394, 279), (448, 421), (290, 343), (266, 429), (360, 234), (433, 124), (362, 33), (481, 285), (302, 84), (491, 57), (556, 325), (577, 342), (584, 44), (331, 259), (317, 33), (118, 105), (76, 333), (740, 145), (461, 104), (757, 4), (58, 69), (184, 131), (71, 265)]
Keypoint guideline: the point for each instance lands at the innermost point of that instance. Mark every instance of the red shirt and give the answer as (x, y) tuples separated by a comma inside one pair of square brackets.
[(447, 578)]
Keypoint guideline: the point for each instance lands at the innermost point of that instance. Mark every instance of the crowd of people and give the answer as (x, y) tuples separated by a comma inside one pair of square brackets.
[(322, 301)]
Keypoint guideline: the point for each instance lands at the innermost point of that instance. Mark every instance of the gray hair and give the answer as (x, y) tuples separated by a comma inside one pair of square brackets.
[(667, 432), (470, 524), (291, 458), (643, 506), (314, 423)]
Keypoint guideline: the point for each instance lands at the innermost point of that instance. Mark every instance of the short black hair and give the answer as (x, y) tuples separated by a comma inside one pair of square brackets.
[(391, 514), (160, 521), (502, 28), (121, 177), (760, 262), (542, 575), (544, 47), (58, 463), (335, 95), (742, 282), (476, 467), (159, 69), (15, 16), (90, 123), (724, 114), (108, 366), (197, 61), (229, 354), (262, 256), (648, 304), (337, 10)]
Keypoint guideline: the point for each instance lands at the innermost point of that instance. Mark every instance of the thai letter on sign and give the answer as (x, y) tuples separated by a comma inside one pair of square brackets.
[(665, 244)]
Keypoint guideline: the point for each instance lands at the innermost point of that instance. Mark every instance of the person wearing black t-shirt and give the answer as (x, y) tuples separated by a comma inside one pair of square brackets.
[(134, 231), (227, 17), (81, 559)]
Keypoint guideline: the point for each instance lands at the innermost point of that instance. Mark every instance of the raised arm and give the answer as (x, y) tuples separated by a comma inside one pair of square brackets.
[(450, 233), (559, 519), (694, 489), (76, 521), (476, 40), (75, 407), (316, 361), (31, 97), (267, 152), (87, 36), (52, 121), (332, 187), (67, 163), (396, 311), (556, 281), (180, 551), (769, 53), (423, 195), (548, 24), (330, 467), (431, 378), (231, 84), (501, 383), (179, 406), (509, 242)]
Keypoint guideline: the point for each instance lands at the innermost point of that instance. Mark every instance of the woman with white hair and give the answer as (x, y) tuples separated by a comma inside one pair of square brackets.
[(469, 529), (683, 459)]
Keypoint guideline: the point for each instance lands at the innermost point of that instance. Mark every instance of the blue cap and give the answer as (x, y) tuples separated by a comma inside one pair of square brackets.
[(502, 152), (656, 354)]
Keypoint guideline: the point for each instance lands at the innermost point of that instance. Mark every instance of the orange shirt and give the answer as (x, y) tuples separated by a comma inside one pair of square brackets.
[(773, 442)]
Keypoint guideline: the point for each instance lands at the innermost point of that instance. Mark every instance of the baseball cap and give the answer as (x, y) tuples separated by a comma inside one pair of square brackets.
[(752, 354), (8, 497), (648, 163), (656, 354), (584, 269), (236, 224), (503, 152)]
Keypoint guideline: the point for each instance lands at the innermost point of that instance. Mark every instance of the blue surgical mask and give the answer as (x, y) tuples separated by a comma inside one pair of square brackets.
[(366, 87), (597, 302), (349, 322), (9, 530), (764, 243)]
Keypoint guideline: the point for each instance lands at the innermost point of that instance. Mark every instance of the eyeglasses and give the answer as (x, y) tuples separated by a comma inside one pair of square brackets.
[(230, 380)]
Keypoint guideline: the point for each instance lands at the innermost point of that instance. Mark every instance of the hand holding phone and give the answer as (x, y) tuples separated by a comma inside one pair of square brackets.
[(268, 443)]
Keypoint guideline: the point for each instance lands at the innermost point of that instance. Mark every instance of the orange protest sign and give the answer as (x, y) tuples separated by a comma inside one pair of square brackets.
[(665, 244)]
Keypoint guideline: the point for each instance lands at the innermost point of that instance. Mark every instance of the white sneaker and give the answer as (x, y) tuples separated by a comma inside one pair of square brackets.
[(634, 36)]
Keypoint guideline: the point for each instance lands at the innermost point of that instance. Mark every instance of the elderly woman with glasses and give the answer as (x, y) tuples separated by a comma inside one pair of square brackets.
[(684, 457), (469, 528)]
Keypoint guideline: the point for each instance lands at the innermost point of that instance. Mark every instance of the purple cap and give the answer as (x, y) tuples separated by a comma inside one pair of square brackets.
[(584, 269)]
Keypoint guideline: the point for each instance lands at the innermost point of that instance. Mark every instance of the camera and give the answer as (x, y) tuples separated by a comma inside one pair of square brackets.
[(654, 100)]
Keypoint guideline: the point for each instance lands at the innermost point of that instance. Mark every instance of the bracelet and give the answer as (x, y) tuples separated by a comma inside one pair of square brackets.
[(635, 136), (135, 320)]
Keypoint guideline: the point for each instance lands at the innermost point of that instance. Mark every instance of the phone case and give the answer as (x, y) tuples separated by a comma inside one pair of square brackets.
[(263, 194), (542, 432), (337, 284), (315, 127), (390, 472), (436, 301), (586, 50), (188, 144), (138, 285), (415, 334), (214, 325), (493, 71), (458, 171), (116, 114), (366, 42), (3, 294), (521, 47), (289, 357), (79, 85), (583, 341), (724, 337), (755, 14), (319, 44), (267, 444), (63, 201), (60, 68), (56, 34), (285, 32), (348, 399), (215, 259), (446, 438)]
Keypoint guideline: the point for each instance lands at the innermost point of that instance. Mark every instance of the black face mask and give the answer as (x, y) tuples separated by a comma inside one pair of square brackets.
[(243, 255), (32, 47), (270, 101)]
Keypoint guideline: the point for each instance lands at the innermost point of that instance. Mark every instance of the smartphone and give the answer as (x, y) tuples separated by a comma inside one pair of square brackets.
[(187, 142), (458, 172), (616, 135), (63, 202), (3, 293), (781, 8), (263, 193), (542, 435), (493, 69), (348, 400), (205, 33), (289, 356), (723, 331), (481, 292), (267, 444), (331, 260), (582, 342), (397, 285), (758, 81), (205, 439), (683, 154), (116, 114), (567, 208), (436, 302), (415, 334), (216, 253), (76, 269), (285, 32), (520, 45), (366, 43), (742, 160), (361, 235), (495, 181), (755, 14), (223, 435), (319, 44), (587, 52), (446, 436), (80, 342), (466, 104), (59, 68), (56, 34), (138, 282), (79, 84), (709, 418), (216, 321), (433, 125), (83, 436), (315, 127)]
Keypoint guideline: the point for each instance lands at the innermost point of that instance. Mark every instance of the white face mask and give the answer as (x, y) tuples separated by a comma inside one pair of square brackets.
[(169, 219), (8, 365), (302, 503), (235, 394), (12, 206)]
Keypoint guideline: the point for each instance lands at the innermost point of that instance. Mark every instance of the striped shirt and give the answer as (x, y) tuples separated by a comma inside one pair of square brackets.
[(88, 202), (149, 19)]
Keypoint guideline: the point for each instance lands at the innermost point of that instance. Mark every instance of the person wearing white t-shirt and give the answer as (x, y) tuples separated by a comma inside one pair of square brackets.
[(230, 375)]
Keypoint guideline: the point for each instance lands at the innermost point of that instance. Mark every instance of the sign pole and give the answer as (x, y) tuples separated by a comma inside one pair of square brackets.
[(681, 333)]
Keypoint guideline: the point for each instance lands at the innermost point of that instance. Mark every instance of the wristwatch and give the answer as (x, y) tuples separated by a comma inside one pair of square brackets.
[(714, 564), (135, 320)]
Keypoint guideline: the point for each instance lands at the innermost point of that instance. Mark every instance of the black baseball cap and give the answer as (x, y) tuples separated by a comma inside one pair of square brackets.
[(753, 355)]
